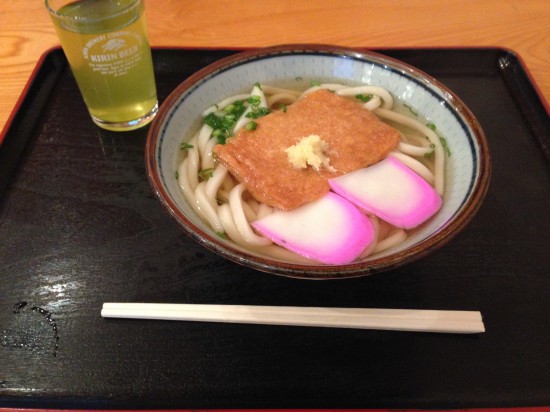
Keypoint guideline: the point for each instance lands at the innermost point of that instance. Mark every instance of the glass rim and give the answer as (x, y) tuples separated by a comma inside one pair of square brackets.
[(80, 19)]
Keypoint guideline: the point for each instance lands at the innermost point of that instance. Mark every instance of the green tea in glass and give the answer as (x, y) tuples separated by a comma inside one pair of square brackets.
[(108, 49)]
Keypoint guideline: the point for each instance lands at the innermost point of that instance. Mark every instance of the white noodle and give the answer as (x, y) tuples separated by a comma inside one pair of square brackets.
[(203, 138), (374, 90), (283, 254), (416, 166), (415, 138), (439, 154), (373, 103), (249, 211), (226, 219), (215, 182), (264, 210), (279, 98), (207, 159), (192, 162), (394, 239), (413, 150), (243, 226), (271, 90), (184, 183), (208, 209), (325, 86)]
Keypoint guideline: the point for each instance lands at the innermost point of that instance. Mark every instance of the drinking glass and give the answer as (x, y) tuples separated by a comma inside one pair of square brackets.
[(107, 46)]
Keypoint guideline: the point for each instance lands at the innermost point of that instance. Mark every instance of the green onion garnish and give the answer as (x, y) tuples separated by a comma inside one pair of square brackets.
[(251, 126), (186, 146), (364, 97), (206, 174)]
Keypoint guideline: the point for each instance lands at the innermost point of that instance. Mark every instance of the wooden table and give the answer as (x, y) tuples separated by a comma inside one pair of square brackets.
[(523, 26)]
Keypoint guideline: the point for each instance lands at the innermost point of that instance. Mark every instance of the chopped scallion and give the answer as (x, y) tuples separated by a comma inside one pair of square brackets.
[(364, 97), (223, 125), (443, 141), (254, 100), (251, 126), (206, 174), (445, 146), (257, 112), (223, 235), (186, 146), (213, 121), (411, 109)]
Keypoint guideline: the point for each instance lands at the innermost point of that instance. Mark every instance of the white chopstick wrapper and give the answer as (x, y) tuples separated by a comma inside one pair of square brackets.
[(358, 318)]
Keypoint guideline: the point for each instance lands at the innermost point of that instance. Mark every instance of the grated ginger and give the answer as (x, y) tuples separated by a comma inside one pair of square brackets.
[(309, 151)]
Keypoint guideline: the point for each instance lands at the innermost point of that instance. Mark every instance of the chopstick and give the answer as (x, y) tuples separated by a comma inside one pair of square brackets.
[(359, 318)]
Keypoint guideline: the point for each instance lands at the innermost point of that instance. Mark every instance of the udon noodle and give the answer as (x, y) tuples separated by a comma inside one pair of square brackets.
[(220, 200)]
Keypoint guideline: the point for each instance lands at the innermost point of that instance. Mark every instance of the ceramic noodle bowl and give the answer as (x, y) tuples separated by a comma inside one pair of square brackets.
[(467, 169)]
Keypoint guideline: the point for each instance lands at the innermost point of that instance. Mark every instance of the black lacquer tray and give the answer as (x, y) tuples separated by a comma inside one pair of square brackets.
[(79, 226)]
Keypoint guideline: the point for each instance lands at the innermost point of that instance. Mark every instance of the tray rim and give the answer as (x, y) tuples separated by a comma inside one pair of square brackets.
[(58, 49)]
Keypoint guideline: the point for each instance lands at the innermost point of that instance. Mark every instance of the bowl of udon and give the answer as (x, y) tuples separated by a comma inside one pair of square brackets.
[(317, 162)]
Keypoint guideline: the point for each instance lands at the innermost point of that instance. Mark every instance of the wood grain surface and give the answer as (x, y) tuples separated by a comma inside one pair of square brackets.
[(520, 25)]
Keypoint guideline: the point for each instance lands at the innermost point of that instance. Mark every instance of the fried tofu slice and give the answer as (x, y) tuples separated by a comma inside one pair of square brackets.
[(353, 138)]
